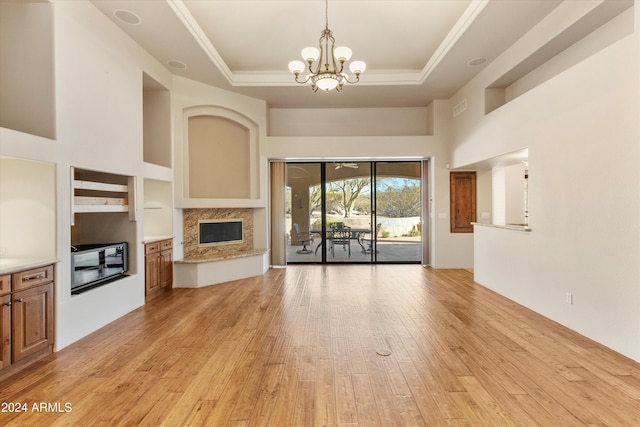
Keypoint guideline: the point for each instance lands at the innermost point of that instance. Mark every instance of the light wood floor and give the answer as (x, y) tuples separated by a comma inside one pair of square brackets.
[(298, 347)]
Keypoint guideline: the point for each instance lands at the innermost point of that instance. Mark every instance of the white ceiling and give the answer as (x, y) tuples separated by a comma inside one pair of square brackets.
[(415, 50)]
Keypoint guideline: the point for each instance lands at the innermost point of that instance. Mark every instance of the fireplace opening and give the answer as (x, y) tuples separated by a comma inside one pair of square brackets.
[(220, 231)]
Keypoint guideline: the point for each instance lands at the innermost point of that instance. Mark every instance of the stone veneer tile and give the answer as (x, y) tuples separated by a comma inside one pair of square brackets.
[(190, 226)]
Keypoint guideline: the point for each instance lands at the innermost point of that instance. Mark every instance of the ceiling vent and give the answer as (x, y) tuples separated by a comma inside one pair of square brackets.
[(459, 107)]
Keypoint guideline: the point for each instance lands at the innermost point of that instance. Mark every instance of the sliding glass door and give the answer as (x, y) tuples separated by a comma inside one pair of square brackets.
[(348, 214), (354, 212), (398, 211)]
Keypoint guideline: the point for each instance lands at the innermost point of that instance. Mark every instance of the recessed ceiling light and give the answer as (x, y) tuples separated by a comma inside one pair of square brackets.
[(127, 17), (476, 61), (176, 64)]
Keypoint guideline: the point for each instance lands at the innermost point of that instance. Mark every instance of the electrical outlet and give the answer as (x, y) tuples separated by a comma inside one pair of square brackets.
[(569, 298)]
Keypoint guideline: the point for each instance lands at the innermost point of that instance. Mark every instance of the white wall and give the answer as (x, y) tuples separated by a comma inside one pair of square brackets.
[(349, 121), (582, 131), (514, 193)]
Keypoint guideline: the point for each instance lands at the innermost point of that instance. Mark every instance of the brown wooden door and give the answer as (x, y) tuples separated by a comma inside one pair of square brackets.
[(32, 320), (463, 201), (5, 331)]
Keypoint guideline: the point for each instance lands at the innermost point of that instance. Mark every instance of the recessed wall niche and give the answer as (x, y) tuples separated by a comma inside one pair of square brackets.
[(158, 208), (222, 158), (27, 103), (156, 107)]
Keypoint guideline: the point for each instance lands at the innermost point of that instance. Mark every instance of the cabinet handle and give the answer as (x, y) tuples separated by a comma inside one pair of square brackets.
[(34, 277), (8, 303), (19, 300)]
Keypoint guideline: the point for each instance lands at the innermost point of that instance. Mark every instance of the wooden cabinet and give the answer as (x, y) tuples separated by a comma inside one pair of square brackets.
[(158, 267), (26, 318), (151, 268), (166, 264), (32, 319), (5, 331)]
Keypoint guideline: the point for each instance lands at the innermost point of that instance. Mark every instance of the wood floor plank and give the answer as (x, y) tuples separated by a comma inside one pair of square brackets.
[(297, 347), (325, 398)]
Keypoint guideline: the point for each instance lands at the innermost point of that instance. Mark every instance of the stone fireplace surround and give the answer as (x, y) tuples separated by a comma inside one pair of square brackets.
[(212, 264), (190, 225)]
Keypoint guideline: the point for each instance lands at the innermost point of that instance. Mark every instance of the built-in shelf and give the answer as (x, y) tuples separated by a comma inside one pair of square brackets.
[(102, 192), (158, 207), (85, 204)]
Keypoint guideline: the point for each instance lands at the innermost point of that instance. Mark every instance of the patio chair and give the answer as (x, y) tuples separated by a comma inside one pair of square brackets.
[(340, 235), (368, 241), (303, 237)]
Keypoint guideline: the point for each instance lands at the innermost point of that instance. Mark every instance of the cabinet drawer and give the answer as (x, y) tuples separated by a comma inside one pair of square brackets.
[(30, 278), (5, 284), (166, 244), (151, 248)]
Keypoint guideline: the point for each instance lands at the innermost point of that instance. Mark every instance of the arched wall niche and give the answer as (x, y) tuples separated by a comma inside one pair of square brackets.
[(221, 154)]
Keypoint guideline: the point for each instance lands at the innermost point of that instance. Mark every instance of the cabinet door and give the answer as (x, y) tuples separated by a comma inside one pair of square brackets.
[(166, 268), (32, 321), (151, 276), (5, 331), (5, 284)]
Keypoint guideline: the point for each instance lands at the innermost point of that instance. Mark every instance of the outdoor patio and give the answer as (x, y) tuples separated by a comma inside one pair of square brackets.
[(391, 249)]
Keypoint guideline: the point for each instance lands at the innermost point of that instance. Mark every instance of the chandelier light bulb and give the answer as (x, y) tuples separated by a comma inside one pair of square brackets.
[(310, 54), (342, 53), (296, 67), (357, 67)]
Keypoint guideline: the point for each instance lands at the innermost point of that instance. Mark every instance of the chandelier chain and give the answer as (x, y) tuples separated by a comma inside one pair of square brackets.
[(326, 14)]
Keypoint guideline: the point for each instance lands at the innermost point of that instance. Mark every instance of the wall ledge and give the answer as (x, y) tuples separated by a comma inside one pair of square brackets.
[(515, 227), (221, 257)]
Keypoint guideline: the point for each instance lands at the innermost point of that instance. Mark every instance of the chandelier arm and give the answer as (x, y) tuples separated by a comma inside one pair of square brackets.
[(346, 78), (305, 81)]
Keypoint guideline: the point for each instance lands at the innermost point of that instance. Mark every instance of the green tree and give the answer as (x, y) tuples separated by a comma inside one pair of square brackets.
[(315, 198), (345, 193), (399, 202)]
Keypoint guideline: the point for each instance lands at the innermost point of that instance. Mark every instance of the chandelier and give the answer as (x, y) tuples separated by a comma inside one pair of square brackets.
[(327, 73)]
